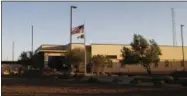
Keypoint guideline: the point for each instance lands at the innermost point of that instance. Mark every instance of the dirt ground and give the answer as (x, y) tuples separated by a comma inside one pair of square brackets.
[(50, 87)]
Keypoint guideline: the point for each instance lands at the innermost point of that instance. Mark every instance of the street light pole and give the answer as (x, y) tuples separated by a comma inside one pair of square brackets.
[(71, 7), (182, 45)]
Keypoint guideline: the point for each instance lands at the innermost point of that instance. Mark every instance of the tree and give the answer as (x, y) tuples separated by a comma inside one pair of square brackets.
[(99, 62), (26, 58), (141, 52), (76, 57), (130, 56)]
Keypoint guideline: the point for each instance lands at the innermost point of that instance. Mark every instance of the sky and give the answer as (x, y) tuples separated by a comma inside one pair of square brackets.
[(105, 22)]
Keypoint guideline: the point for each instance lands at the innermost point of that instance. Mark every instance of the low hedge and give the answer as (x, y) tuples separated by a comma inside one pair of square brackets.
[(93, 80)]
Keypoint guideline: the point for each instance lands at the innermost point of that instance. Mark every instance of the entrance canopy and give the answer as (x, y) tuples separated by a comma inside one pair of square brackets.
[(46, 48)]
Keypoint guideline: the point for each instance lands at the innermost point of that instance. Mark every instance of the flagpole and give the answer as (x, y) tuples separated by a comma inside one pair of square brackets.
[(70, 28), (70, 46), (71, 8), (85, 60)]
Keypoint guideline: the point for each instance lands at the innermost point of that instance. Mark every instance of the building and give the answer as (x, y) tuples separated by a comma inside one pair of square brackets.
[(171, 58)]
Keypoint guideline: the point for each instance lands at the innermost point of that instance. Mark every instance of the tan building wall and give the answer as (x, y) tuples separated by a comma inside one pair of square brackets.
[(138, 68), (106, 49), (77, 45), (173, 54), (168, 52)]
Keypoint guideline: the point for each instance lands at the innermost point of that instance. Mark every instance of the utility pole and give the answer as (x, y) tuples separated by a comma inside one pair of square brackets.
[(13, 51), (182, 45), (173, 27), (32, 39)]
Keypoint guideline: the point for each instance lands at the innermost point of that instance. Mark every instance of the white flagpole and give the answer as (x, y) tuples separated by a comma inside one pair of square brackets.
[(85, 70)]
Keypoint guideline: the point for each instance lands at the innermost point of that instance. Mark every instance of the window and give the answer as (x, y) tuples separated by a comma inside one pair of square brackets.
[(166, 63), (111, 56)]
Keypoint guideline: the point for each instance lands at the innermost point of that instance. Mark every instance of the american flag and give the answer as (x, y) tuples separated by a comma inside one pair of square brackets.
[(78, 29)]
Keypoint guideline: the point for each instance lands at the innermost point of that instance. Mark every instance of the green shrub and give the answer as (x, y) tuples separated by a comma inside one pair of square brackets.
[(116, 80), (33, 73), (158, 83), (78, 77), (135, 81), (165, 79), (93, 80)]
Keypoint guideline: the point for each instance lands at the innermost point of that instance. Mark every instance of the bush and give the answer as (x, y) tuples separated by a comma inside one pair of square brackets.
[(93, 80), (169, 80), (116, 80), (109, 74), (32, 73), (183, 81), (184, 84), (135, 81), (158, 83), (120, 74), (64, 76), (165, 79), (78, 77)]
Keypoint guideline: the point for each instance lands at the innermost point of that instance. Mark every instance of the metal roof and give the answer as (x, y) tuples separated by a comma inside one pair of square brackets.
[(58, 47)]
